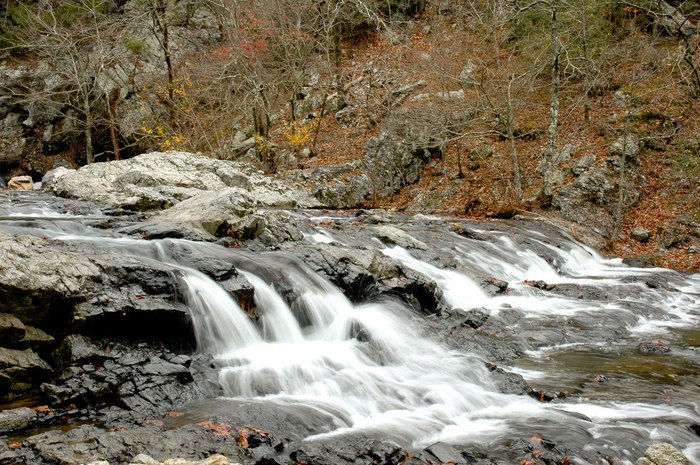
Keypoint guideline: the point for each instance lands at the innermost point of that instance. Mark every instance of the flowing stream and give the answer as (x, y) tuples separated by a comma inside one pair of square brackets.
[(371, 368)]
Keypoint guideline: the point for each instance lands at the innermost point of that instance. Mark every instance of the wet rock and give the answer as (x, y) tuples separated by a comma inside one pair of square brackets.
[(394, 236), (21, 183), (21, 369), (17, 419), (653, 348), (508, 382), (77, 349), (89, 443), (539, 284), (11, 329), (475, 318), (40, 282), (469, 233), (663, 454), (695, 428), (367, 274), (158, 180), (494, 286), (134, 379), (445, 453)]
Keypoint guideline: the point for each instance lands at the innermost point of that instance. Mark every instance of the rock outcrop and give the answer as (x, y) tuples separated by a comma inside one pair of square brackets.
[(159, 180)]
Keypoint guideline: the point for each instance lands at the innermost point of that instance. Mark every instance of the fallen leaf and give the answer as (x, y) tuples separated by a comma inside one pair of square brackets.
[(43, 409), (14, 445), (243, 438), (219, 429), (175, 414)]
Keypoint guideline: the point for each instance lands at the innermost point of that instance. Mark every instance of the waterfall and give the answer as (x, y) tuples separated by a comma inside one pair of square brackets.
[(375, 367)]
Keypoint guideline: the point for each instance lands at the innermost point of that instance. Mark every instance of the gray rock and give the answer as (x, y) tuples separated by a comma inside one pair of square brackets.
[(628, 145), (620, 99), (231, 212), (16, 419), (663, 454), (672, 20), (346, 116), (584, 164), (641, 234), (591, 199), (158, 180), (366, 274), (77, 349), (34, 338), (11, 329), (21, 369), (392, 162), (394, 236)]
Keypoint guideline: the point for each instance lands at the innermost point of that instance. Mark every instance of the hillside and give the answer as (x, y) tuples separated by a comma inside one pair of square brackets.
[(405, 105)]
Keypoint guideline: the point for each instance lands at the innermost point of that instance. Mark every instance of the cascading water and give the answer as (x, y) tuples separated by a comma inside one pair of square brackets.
[(371, 367)]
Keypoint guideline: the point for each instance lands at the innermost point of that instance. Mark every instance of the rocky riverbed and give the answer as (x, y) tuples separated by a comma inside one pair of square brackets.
[(178, 306)]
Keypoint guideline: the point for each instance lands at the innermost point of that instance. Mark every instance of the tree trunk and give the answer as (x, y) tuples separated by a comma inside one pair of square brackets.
[(551, 150), (517, 182), (89, 149), (112, 100), (162, 33), (337, 58), (619, 207)]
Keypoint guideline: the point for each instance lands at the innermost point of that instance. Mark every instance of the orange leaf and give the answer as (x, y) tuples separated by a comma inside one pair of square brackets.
[(219, 429), (43, 409), (175, 414), (14, 445), (243, 438)]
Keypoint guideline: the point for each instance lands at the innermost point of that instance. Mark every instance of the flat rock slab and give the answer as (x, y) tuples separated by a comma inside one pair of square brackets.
[(16, 419)]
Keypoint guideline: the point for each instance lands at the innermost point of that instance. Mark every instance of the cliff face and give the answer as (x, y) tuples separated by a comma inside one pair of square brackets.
[(405, 105)]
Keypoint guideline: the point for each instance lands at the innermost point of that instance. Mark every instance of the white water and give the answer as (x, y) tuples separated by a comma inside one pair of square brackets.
[(369, 368)]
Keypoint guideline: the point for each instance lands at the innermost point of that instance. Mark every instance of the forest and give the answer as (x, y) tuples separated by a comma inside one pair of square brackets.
[(582, 110)]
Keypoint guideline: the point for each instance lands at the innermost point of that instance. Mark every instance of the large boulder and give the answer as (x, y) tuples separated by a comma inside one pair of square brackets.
[(231, 212), (160, 180)]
